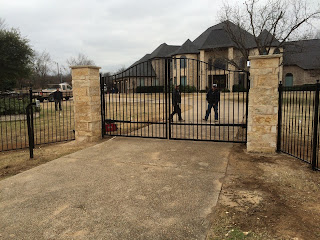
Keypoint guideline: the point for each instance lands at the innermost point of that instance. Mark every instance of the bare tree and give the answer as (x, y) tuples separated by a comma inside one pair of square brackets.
[(42, 68), (271, 23), (2, 24), (81, 59), (121, 69)]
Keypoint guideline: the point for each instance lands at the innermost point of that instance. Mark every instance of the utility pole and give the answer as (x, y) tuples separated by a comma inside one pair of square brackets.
[(60, 76), (58, 69)]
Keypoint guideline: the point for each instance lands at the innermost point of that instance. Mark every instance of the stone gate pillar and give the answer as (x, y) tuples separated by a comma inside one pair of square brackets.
[(263, 103), (87, 104)]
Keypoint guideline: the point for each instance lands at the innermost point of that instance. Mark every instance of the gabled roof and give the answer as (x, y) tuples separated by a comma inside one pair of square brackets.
[(187, 48), (218, 36), (143, 59), (141, 68), (304, 54), (163, 50), (265, 37)]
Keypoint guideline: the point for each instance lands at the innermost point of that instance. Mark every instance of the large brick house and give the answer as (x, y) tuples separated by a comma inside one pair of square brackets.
[(215, 47)]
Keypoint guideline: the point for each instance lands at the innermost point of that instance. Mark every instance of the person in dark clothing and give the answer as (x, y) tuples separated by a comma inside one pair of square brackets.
[(57, 96), (176, 101), (213, 98)]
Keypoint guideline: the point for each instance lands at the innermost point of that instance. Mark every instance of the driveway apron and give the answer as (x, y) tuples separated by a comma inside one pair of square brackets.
[(124, 188)]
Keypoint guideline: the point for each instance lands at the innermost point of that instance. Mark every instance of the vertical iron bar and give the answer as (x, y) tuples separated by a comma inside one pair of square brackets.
[(279, 117), (315, 127), (168, 102)]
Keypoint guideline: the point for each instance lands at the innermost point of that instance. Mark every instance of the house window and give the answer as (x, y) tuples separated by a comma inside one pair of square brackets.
[(183, 62), (183, 81), (175, 63), (288, 80), (242, 63), (210, 65), (155, 82), (141, 82), (276, 51), (175, 81), (219, 63)]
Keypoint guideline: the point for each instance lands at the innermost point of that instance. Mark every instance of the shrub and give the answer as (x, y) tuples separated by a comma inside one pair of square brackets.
[(225, 90), (150, 89), (238, 88), (188, 89)]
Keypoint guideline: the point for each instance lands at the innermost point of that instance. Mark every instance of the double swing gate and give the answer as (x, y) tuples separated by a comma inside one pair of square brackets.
[(138, 101)]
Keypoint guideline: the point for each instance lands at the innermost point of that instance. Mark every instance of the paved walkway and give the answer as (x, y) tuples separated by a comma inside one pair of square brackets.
[(124, 188)]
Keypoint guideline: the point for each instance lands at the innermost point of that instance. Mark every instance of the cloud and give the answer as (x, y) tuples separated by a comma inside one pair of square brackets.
[(113, 33)]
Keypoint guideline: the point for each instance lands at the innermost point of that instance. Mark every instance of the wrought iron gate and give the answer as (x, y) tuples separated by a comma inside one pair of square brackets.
[(138, 101)]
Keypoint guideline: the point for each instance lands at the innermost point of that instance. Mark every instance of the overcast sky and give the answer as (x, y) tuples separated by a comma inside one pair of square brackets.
[(113, 33)]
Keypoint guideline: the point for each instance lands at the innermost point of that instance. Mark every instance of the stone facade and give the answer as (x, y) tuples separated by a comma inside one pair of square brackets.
[(301, 76), (263, 103), (87, 104)]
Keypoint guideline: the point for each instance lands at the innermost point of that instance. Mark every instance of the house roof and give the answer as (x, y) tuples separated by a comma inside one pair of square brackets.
[(218, 36), (141, 68), (143, 59), (164, 50), (265, 37), (304, 54), (187, 48)]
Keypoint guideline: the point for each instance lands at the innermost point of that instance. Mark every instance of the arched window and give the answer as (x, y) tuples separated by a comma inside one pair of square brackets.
[(264, 51), (219, 63), (210, 65), (183, 62), (288, 80), (242, 63), (276, 51)]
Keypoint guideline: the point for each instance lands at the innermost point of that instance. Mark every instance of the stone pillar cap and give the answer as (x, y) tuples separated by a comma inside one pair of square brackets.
[(85, 66), (265, 56)]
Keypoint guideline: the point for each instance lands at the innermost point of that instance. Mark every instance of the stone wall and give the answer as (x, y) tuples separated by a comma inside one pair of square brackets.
[(263, 103), (87, 104), (301, 76)]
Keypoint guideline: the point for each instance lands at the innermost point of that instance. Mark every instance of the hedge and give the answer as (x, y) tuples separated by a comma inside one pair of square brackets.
[(14, 106), (238, 88), (150, 89)]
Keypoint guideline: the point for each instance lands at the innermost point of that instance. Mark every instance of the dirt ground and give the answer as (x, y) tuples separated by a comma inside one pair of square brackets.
[(267, 197), (16, 161), (262, 197)]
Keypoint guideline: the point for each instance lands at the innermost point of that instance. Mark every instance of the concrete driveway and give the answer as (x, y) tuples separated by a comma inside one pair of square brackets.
[(124, 188)]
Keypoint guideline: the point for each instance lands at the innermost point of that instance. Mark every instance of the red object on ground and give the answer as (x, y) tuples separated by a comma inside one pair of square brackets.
[(110, 127)]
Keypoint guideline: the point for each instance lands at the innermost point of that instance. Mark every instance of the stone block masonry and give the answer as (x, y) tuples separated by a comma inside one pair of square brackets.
[(87, 104), (263, 103)]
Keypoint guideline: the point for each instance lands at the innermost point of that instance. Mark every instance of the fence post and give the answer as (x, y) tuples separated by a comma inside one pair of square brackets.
[(31, 120), (247, 103), (279, 118), (315, 127), (103, 120), (30, 133)]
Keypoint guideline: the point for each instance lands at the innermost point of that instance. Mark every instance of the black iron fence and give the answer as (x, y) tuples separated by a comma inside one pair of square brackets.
[(138, 102), (50, 124), (298, 131)]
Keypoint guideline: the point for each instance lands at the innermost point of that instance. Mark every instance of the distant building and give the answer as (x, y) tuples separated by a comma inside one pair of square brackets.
[(216, 48)]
